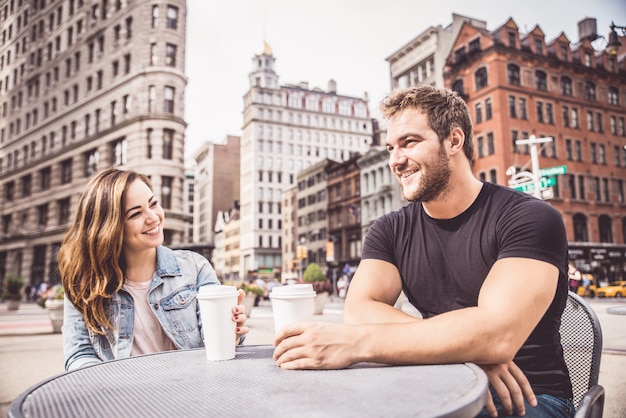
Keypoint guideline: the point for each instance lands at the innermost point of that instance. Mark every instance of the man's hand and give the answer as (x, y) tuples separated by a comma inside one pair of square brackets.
[(314, 345), (511, 386)]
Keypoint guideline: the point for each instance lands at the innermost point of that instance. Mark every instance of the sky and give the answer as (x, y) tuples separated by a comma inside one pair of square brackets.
[(344, 40)]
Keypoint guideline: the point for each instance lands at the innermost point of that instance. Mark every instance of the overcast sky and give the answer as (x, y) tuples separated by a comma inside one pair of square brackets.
[(344, 40)]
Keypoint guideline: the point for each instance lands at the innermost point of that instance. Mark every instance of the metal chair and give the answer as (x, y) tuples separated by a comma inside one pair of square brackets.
[(581, 338)]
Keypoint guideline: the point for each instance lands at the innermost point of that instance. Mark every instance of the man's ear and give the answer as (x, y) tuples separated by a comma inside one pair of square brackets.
[(457, 139)]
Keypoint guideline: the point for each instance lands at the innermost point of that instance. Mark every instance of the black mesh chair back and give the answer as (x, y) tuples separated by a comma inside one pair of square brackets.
[(581, 338)]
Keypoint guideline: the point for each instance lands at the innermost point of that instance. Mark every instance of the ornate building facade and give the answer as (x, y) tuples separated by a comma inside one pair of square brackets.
[(85, 86)]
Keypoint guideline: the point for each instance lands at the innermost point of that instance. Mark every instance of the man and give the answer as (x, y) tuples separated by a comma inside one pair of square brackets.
[(484, 264)]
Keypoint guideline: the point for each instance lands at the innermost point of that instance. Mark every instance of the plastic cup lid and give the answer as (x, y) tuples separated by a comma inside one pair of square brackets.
[(211, 291), (293, 291)]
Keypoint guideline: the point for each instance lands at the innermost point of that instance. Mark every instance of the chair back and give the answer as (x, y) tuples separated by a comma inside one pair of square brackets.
[(581, 339)]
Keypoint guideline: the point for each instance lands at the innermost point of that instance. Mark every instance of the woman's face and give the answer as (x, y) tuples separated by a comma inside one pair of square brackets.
[(143, 218)]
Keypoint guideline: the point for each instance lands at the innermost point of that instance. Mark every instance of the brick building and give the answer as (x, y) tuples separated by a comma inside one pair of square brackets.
[(517, 85)]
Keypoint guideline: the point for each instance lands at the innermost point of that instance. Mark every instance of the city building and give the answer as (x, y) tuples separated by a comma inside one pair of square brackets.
[(522, 86), (84, 86), (344, 216), (287, 128), (380, 191), (421, 61), (311, 211), (217, 185), (226, 254)]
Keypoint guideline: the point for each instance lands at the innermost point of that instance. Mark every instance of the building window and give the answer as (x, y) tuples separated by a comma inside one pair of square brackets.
[(539, 112), (512, 38), (590, 91), (566, 123), (613, 96), (119, 151), (549, 114), (594, 153), (479, 147), (512, 108), (45, 175), (590, 121), (64, 210), (541, 80), (168, 144), (172, 17), (568, 149), (578, 150), (604, 225), (580, 227), (572, 186), (458, 87), (581, 187), (91, 162), (168, 104), (66, 171), (113, 112), (522, 108), (26, 185), (490, 144), (153, 53), (513, 77), (42, 215), (488, 110), (155, 17), (481, 78), (149, 141), (152, 99), (575, 123), (166, 191), (170, 55), (479, 112)]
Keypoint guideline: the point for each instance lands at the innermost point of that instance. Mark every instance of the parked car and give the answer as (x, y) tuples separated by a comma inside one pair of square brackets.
[(616, 290)]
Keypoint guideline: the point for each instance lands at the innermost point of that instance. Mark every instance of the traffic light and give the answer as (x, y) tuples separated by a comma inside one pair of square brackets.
[(301, 252)]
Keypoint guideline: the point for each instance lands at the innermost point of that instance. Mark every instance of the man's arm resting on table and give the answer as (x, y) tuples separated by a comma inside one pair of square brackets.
[(512, 300)]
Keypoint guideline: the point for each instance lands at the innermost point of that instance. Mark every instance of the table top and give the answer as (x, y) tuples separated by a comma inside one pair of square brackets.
[(184, 383)]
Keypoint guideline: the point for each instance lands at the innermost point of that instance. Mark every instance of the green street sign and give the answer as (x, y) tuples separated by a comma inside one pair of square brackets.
[(529, 186), (553, 171)]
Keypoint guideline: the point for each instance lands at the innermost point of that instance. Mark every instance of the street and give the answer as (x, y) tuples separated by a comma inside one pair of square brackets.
[(30, 353)]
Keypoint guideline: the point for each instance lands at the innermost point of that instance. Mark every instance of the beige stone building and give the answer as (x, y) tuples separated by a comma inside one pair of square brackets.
[(287, 128), (84, 86)]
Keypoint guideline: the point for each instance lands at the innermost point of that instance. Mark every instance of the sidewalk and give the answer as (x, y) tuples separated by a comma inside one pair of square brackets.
[(30, 353)]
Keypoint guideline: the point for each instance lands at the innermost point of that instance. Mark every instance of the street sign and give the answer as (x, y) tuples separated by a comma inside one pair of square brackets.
[(553, 171), (529, 187)]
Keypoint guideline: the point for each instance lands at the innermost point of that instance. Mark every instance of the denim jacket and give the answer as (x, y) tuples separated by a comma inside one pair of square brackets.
[(172, 298)]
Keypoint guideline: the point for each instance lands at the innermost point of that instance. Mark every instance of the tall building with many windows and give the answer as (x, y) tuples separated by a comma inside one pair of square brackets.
[(520, 84), (287, 128), (85, 85)]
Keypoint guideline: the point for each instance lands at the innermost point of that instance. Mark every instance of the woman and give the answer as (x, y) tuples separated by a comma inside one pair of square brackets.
[(127, 294)]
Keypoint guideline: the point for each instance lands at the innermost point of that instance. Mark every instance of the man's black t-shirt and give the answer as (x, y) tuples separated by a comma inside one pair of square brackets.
[(443, 264)]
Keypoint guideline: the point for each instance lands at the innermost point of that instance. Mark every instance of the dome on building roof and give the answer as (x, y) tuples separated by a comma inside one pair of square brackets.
[(267, 49)]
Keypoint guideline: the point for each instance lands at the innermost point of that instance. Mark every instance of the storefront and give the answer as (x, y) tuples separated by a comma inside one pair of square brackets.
[(606, 262)]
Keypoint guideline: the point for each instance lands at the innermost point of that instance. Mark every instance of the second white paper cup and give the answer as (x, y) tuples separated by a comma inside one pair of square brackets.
[(216, 305), (292, 303)]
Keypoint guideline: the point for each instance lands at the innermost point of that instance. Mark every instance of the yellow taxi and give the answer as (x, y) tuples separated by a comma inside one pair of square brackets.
[(615, 290)]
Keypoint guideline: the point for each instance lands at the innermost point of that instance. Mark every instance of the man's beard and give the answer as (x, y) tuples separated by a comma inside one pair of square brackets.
[(434, 180)]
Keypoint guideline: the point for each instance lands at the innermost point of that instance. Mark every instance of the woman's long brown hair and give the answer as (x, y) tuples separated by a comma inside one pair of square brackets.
[(90, 259)]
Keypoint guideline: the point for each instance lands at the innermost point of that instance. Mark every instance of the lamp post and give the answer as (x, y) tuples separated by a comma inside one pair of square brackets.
[(614, 44)]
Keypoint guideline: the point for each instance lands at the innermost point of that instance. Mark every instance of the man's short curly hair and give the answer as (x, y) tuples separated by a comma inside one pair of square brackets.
[(444, 109)]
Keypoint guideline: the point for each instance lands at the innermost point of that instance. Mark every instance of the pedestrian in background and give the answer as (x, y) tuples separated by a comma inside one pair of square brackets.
[(574, 278), (126, 293)]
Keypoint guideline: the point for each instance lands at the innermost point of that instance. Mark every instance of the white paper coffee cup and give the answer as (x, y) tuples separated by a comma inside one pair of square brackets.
[(216, 311), (292, 303)]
